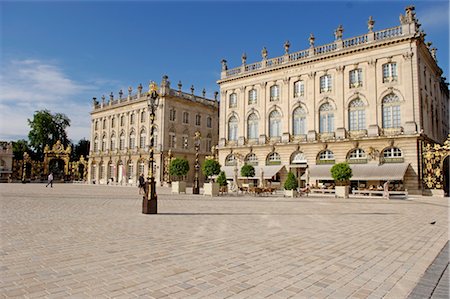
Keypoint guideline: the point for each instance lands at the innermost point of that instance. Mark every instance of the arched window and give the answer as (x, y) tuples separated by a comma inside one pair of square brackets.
[(132, 143), (273, 159), (111, 171), (252, 126), (325, 157), (392, 155), (96, 144), (326, 116), (113, 142), (142, 138), (274, 124), (274, 93), (232, 128), (299, 158), (251, 159), (101, 170), (230, 160), (103, 143), (252, 96), (299, 121), (233, 100), (122, 142), (391, 111), (357, 155), (357, 115)]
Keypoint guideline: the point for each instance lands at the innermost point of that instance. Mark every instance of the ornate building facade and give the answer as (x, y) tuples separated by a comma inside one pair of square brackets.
[(120, 134), (374, 100), (6, 161)]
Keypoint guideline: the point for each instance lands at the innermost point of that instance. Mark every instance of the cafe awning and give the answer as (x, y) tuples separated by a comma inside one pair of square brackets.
[(363, 172)]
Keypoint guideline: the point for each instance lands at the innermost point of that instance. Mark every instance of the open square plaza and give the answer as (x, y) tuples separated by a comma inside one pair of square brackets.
[(92, 241)]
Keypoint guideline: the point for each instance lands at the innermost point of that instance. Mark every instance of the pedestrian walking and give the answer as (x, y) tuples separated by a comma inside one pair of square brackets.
[(386, 190), (141, 184), (50, 180)]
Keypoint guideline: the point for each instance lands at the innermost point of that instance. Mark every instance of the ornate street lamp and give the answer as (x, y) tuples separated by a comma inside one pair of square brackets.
[(196, 188), (150, 203)]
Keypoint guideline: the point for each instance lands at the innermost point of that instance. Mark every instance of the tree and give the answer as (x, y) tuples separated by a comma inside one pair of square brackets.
[(80, 149), (46, 129), (222, 180), (20, 147), (291, 182), (179, 167), (341, 173), (248, 171), (210, 167)]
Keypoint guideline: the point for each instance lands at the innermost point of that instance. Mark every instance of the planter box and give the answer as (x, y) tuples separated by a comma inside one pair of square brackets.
[(342, 191), (211, 189), (290, 193), (179, 187)]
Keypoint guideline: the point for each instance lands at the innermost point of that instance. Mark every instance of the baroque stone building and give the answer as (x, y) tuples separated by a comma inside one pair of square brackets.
[(373, 100), (120, 133)]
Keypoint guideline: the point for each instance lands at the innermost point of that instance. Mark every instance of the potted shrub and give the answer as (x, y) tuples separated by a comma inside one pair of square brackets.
[(248, 171), (210, 168), (341, 174), (179, 168), (290, 185), (223, 183)]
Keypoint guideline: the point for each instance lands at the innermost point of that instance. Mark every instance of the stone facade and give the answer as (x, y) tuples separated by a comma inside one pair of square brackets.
[(372, 99), (6, 160), (120, 134)]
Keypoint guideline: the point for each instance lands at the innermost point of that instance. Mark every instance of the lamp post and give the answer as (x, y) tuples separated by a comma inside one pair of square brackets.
[(150, 203), (196, 188)]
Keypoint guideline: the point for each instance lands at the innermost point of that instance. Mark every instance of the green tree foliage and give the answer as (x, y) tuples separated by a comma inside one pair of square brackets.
[(80, 149), (221, 179), (46, 129), (248, 171), (210, 167), (341, 173), (291, 182), (20, 147), (179, 167)]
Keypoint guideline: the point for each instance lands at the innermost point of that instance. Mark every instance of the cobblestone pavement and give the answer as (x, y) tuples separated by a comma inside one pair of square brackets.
[(85, 241)]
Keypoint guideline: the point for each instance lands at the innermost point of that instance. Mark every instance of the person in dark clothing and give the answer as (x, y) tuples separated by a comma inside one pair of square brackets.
[(141, 183)]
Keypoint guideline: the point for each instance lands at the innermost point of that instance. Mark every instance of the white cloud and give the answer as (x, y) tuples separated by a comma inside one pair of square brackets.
[(30, 85)]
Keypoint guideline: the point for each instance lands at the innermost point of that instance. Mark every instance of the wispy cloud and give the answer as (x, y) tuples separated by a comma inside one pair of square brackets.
[(30, 85)]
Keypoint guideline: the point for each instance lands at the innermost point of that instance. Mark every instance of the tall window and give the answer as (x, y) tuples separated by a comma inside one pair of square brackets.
[(185, 117), (391, 111), (103, 143), (273, 159), (101, 170), (326, 116), (299, 121), (142, 138), (130, 170), (185, 141), (141, 166), (275, 124), (122, 142), (111, 170), (252, 126), (96, 144), (356, 78), (113, 142), (209, 122), (232, 128), (274, 93), (96, 125), (233, 100), (104, 124), (325, 83), (132, 118), (172, 114), (208, 143), (252, 97), (198, 120), (299, 89), (357, 115), (113, 122), (155, 138), (122, 121), (390, 72), (172, 140), (142, 116), (132, 144)]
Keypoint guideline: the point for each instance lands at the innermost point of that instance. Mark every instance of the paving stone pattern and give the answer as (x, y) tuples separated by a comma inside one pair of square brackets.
[(85, 241)]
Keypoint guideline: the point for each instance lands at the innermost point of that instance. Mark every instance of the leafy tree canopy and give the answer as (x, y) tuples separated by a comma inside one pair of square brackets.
[(291, 182), (178, 167), (20, 147), (341, 173), (210, 167), (248, 170), (46, 129), (80, 149)]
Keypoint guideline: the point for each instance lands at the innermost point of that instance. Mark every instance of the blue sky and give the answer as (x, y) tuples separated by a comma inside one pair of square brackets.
[(58, 55)]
